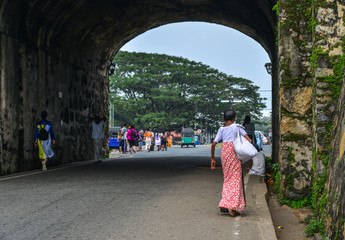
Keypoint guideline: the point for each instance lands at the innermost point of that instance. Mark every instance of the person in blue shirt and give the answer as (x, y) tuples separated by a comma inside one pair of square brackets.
[(44, 138)]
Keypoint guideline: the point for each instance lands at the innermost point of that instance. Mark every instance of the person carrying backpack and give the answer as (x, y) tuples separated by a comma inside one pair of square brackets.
[(132, 135), (44, 138)]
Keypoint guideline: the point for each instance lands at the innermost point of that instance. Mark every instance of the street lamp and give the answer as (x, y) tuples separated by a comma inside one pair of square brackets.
[(111, 68), (227, 101), (230, 98), (232, 102), (268, 67)]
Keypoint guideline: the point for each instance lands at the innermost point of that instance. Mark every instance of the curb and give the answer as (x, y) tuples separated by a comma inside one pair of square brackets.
[(256, 192)]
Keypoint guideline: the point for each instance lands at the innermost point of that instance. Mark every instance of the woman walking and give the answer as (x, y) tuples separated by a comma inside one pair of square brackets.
[(164, 142), (141, 140), (232, 195), (249, 128), (148, 138), (132, 136), (44, 138), (158, 140)]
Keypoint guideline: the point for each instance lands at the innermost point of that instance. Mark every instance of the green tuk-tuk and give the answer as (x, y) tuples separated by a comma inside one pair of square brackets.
[(187, 137)]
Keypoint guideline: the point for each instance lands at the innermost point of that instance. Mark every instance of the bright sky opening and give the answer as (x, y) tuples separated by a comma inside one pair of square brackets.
[(220, 47)]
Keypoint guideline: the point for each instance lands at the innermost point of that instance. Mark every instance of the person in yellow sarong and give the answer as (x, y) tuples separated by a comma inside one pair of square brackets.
[(44, 138)]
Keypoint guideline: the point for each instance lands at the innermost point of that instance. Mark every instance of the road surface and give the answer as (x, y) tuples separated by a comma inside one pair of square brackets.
[(156, 195)]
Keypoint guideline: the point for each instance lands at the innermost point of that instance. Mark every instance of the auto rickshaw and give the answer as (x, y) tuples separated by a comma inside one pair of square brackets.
[(187, 137)]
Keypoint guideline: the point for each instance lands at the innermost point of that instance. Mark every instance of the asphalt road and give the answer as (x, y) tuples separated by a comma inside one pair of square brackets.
[(156, 195)]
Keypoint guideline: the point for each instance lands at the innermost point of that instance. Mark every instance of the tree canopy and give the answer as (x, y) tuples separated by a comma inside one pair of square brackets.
[(167, 92)]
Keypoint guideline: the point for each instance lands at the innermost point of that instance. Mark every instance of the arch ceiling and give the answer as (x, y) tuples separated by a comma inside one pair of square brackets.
[(97, 29)]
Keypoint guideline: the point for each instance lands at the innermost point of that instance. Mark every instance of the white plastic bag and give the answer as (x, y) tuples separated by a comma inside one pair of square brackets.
[(243, 148)]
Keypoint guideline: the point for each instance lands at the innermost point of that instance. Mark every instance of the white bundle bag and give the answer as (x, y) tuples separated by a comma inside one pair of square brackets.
[(243, 148)]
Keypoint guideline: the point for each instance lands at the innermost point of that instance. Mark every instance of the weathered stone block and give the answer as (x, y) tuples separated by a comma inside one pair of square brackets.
[(297, 100), (321, 72), (322, 117), (336, 51), (342, 146), (294, 126), (325, 15), (324, 30)]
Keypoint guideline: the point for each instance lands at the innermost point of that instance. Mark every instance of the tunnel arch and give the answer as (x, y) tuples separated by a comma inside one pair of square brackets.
[(97, 29), (56, 55)]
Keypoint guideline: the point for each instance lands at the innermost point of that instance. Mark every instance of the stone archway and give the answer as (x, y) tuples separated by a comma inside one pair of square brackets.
[(55, 56)]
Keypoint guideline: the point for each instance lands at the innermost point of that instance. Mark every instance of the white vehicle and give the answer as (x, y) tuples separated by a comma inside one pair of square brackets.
[(263, 138)]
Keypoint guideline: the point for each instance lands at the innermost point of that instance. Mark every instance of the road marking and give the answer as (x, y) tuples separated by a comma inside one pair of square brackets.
[(35, 172), (31, 173), (21, 175)]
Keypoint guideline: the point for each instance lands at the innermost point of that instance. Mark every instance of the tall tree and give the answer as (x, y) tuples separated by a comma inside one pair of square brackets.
[(157, 90)]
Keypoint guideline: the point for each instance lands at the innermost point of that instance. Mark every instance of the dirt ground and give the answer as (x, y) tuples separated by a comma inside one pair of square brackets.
[(286, 220)]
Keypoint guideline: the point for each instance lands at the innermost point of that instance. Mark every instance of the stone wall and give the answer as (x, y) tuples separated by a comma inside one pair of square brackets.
[(295, 43), (10, 117), (329, 49), (311, 53), (40, 81)]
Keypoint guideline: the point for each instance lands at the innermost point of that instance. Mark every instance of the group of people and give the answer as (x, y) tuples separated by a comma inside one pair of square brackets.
[(45, 138), (233, 197), (132, 140)]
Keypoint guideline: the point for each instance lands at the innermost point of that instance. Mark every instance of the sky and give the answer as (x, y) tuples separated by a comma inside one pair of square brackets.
[(220, 47)]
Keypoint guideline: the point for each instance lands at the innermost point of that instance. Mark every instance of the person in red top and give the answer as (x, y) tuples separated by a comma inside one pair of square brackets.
[(132, 135)]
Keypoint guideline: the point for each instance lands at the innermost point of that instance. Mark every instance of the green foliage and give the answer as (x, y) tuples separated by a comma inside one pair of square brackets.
[(275, 172), (277, 182), (156, 90), (296, 203), (315, 226), (263, 124), (291, 156), (276, 8), (295, 137), (275, 167)]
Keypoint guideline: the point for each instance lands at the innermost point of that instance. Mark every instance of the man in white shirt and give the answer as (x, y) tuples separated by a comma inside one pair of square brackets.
[(97, 135), (123, 142)]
